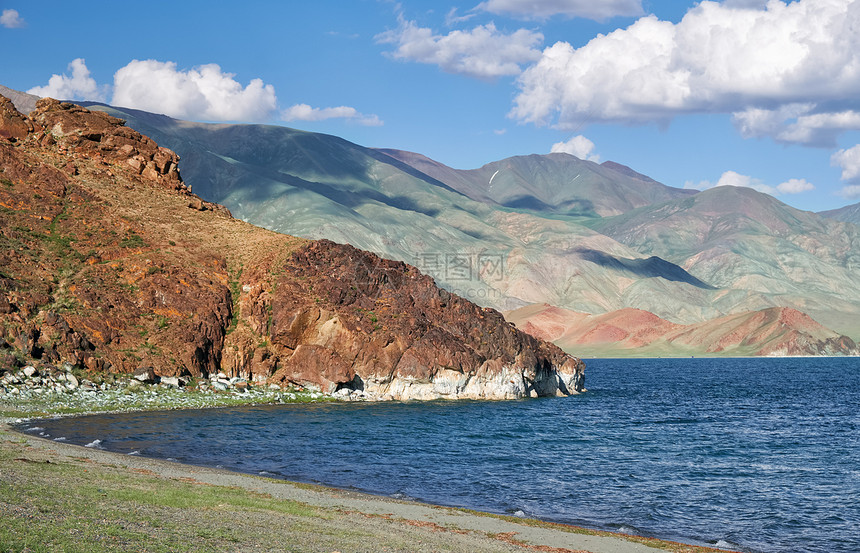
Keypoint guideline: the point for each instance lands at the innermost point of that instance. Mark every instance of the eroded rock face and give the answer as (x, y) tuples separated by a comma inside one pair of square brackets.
[(109, 263), (13, 125), (99, 135), (385, 328)]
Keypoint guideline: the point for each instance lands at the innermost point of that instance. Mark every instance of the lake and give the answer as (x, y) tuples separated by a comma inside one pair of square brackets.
[(759, 455)]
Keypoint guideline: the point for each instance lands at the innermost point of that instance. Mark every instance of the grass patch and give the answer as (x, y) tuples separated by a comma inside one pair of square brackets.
[(72, 506), (132, 240)]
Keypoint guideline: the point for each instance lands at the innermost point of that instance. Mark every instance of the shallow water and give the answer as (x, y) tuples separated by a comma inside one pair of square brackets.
[(750, 454)]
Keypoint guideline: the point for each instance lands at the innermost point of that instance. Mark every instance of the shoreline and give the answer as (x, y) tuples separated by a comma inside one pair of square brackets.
[(123, 396), (451, 525)]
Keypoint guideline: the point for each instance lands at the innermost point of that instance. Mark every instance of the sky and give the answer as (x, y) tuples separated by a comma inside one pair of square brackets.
[(753, 93)]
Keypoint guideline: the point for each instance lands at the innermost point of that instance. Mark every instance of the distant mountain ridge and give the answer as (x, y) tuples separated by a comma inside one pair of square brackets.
[(554, 183), (848, 214)]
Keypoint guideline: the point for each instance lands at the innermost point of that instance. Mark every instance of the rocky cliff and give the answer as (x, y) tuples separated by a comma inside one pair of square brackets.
[(108, 261)]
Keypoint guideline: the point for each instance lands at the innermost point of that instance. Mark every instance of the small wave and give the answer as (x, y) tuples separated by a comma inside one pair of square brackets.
[(35, 429), (95, 444), (723, 544), (60, 439), (135, 452), (628, 529), (402, 496)]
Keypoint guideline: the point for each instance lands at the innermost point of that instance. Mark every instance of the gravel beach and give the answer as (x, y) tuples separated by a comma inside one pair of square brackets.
[(340, 520)]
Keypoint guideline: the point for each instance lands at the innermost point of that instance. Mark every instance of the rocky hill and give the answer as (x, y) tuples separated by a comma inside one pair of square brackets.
[(108, 261)]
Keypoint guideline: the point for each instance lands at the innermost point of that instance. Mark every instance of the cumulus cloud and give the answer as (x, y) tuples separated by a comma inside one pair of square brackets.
[(851, 192), (543, 9), (791, 71), (849, 161), (202, 93), (578, 146), (304, 112), (79, 86), (733, 178), (483, 52), (794, 186), (11, 19)]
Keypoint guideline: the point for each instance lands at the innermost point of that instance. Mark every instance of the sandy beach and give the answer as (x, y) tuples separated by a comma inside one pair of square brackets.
[(332, 519)]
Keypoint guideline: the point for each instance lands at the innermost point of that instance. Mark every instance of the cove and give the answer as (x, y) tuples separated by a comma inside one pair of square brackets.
[(757, 455)]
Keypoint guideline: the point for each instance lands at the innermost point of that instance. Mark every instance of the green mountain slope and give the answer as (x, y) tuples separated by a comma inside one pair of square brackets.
[(740, 239)]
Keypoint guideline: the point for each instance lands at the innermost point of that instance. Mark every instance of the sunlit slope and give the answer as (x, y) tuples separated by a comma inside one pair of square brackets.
[(739, 239)]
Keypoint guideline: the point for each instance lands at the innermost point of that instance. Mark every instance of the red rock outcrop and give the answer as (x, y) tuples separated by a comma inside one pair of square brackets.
[(107, 261)]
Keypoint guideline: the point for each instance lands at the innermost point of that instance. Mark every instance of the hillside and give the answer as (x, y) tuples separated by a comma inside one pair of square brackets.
[(319, 186), (742, 240), (847, 214), (108, 261), (554, 183), (633, 332)]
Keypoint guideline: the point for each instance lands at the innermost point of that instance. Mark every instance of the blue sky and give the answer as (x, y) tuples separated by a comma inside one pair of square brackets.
[(696, 94)]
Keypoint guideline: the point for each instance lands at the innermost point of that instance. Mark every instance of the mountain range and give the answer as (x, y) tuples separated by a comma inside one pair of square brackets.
[(537, 230)]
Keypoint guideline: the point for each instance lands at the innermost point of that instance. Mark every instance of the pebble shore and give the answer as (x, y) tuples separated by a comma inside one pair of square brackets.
[(32, 392)]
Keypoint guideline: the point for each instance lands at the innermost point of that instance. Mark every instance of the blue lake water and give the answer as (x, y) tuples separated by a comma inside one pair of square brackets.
[(757, 455)]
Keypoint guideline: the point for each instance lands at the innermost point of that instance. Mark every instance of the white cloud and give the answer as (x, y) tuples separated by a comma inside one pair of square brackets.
[(451, 18), (851, 192), (795, 186), (484, 52), (752, 4), (304, 112), (791, 71), (849, 161), (11, 19), (80, 86), (733, 178), (793, 123), (202, 93), (543, 9), (578, 146)]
